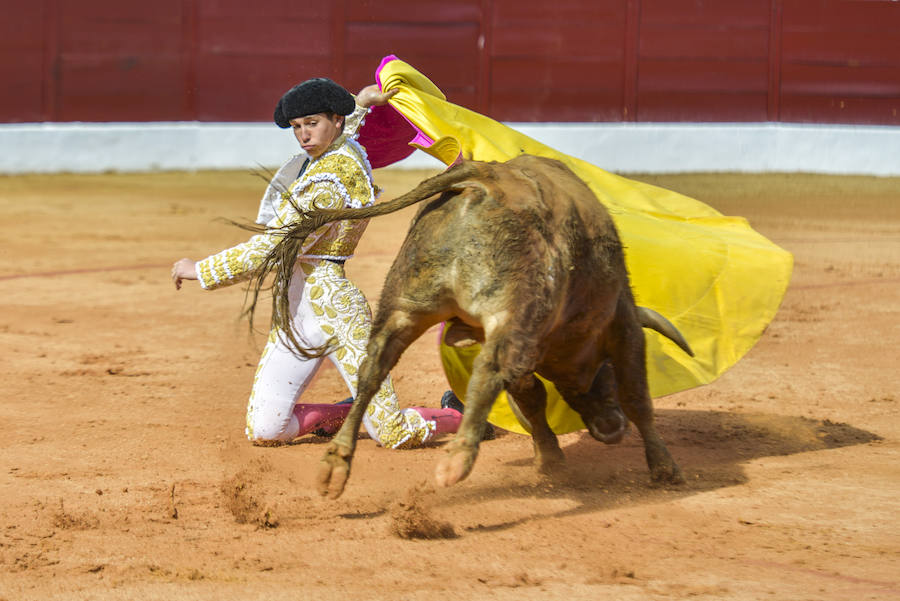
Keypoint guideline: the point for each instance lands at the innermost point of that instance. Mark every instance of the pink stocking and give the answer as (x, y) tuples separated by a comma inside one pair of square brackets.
[(327, 417), (446, 420)]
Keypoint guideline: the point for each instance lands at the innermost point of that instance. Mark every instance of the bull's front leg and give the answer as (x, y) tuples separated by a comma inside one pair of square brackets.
[(484, 386), (639, 409), (531, 398), (634, 397)]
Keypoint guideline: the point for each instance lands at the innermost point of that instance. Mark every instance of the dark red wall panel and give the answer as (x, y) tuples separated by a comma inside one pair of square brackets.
[(686, 106), (440, 38), (557, 61), (719, 44), (841, 61), (244, 60), (22, 64), (705, 14), (118, 61), (858, 15), (564, 90), (703, 60), (517, 60), (449, 49)]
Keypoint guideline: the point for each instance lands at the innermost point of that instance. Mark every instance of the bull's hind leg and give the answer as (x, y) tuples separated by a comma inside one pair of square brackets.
[(629, 363), (506, 359), (484, 386), (386, 343), (531, 398)]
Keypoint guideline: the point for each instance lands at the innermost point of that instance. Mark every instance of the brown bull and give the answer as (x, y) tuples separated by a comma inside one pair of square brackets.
[(523, 256)]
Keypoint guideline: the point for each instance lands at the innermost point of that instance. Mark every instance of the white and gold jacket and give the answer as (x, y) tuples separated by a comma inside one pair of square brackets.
[(340, 178)]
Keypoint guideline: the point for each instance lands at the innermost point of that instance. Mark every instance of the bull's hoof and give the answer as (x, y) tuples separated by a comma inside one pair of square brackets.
[(663, 469), (663, 475), (456, 465), (551, 463), (334, 470)]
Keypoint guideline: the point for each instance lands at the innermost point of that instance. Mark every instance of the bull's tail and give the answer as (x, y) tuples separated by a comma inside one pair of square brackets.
[(312, 220), (280, 260), (653, 320)]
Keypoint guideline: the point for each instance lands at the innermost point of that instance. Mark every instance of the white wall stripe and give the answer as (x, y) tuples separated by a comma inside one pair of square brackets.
[(620, 147)]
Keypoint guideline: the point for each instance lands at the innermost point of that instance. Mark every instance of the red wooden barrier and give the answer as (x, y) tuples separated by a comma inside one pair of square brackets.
[(831, 61)]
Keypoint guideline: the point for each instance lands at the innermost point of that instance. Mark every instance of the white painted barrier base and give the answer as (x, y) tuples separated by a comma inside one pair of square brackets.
[(619, 147)]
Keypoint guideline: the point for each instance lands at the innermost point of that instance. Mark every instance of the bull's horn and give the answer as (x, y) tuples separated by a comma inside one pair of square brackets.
[(653, 320)]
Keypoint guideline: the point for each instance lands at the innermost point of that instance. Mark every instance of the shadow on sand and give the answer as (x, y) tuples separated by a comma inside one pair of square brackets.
[(710, 446)]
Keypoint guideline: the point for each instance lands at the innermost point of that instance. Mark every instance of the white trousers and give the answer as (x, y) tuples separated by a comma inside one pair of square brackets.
[(325, 306)]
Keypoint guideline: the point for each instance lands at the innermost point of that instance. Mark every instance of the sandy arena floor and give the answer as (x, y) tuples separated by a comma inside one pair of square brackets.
[(126, 475)]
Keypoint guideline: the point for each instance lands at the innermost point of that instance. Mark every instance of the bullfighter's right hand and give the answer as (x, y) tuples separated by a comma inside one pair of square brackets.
[(372, 95), (183, 269)]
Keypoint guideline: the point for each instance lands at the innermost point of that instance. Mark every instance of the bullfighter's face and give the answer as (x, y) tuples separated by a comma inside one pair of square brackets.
[(316, 132)]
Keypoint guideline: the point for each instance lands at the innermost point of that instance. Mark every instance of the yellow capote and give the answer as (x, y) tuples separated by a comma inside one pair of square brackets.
[(713, 276)]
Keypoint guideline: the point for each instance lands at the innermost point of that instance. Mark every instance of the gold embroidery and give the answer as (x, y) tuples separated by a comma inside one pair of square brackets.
[(344, 314), (339, 178), (336, 180)]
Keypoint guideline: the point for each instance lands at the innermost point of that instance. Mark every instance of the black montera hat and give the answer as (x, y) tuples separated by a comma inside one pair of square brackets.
[(319, 95)]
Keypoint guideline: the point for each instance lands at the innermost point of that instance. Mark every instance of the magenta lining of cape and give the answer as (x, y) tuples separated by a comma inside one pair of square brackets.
[(387, 134)]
